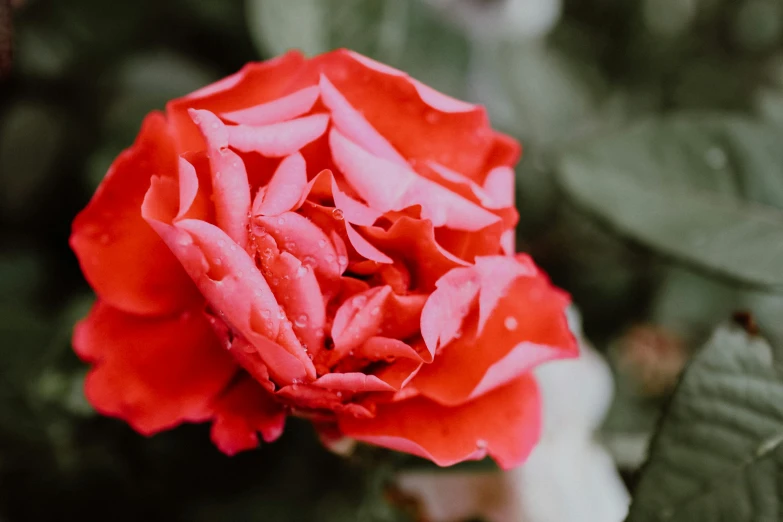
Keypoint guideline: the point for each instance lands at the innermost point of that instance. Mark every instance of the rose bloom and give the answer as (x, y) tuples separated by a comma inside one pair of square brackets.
[(326, 238)]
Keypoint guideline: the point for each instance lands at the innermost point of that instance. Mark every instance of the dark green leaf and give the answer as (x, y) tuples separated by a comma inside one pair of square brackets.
[(718, 454)]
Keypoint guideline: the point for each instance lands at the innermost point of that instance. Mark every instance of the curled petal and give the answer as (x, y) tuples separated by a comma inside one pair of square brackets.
[(354, 382), (256, 83), (413, 241), (278, 139), (285, 189), (527, 326), (227, 276), (364, 248), (354, 126), (505, 424), (386, 186), (276, 111), (303, 239)]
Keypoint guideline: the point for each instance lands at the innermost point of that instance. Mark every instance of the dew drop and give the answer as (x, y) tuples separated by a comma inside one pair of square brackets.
[(375, 311), (267, 253), (339, 395), (301, 271), (329, 258), (308, 262), (342, 261), (275, 281), (481, 444), (338, 214), (281, 220), (280, 314), (261, 231), (233, 247), (266, 314), (321, 243), (359, 301), (301, 321), (221, 243), (510, 323)]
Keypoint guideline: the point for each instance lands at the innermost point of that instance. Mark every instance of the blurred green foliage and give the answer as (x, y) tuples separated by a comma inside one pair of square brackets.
[(633, 224)]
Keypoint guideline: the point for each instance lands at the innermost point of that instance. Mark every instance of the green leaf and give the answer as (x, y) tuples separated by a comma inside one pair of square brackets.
[(402, 33), (718, 454), (705, 189)]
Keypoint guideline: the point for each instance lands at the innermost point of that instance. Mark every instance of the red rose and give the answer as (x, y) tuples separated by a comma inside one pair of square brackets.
[(326, 238)]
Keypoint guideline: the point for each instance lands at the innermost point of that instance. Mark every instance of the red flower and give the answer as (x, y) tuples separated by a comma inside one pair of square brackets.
[(326, 238)]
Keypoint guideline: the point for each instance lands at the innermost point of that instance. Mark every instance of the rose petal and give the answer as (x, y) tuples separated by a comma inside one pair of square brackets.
[(278, 139), (303, 239), (424, 126), (364, 248), (504, 423), (388, 186), (284, 190), (353, 125), (227, 276), (527, 327), (154, 373), (109, 234), (276, 111), (241, 412), (354, 382), (413, 241), (256, 83)]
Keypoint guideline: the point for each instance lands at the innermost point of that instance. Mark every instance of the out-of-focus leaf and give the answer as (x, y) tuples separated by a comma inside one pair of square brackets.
[(31, 135), (146, 82), (718, 453), (402, 33), (705, 189), (690, 304), (21, 276), (534, 90), (758, 24), (42, 51)]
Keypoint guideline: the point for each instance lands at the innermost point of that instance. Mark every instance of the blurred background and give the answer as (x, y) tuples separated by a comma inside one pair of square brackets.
[(651, 189)]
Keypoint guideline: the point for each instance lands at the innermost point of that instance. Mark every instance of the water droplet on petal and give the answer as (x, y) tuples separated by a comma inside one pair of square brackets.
[(510, 323), (266, 314), (301, 321), (321, 243), (233, 247), (281, 220), (359, 301), (329, 258), (221, 243), (339, 394), (301, 271), (481, 444), (308, 262), (375, 311), (267, 253), (338, 214), (342, 261)]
